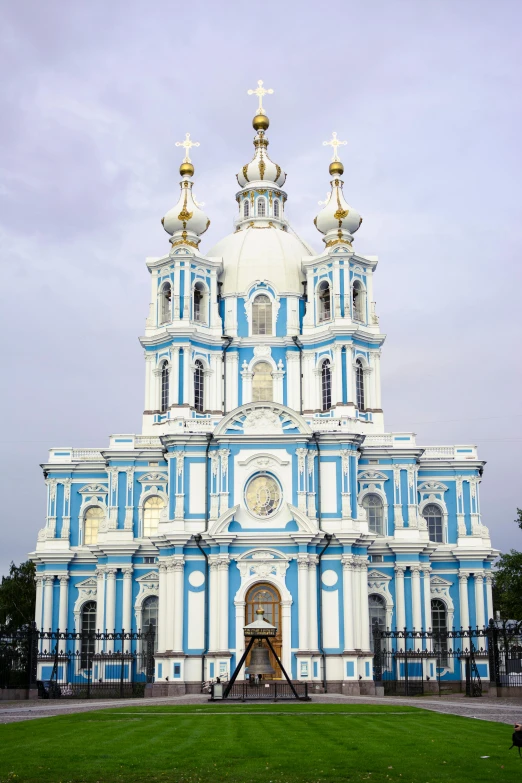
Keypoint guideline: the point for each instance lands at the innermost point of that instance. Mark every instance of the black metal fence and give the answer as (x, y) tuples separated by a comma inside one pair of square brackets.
[(411, 663), (77, 665)]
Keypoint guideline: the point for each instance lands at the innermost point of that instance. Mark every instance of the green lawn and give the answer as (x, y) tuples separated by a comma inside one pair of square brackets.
[(281, 743)]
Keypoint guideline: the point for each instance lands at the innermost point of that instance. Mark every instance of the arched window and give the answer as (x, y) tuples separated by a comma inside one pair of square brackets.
[(262, 383), (149, 617), (326, 385), (164, 387), (359, 384), (439, 626), (199, 303), (433, 516), (93, 519), (375, 511), (246, 208), (324, 300), (88, 629), (152, 509), (276, 208), (262, 315), (377, 611), (358, 301), (198, 385), (261, 207), (165, 304)]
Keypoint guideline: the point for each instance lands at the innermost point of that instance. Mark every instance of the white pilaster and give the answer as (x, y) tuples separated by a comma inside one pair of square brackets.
[(312, 593), (214, 602), (489, 594), (162, 608), (365, 610), (179, 569), (232, 367), (357, 635), (400, 606), (62, 612), (347, 561), (100, 603), (304, 611), (223, 603), (416, 598), (337, 380), (48, 603), (427, 597), (111, 606), (38, 615), (126, 615), (174, 375), (463, 599), (479, 600)]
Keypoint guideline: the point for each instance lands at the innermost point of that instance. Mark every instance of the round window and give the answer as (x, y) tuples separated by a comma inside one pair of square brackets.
[(263, 495)]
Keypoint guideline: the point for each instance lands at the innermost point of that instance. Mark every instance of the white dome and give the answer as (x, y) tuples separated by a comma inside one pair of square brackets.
[(261, 168), (261, 254)]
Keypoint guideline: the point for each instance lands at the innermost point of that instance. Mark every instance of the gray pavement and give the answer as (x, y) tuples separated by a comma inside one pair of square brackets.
[(494, 709)]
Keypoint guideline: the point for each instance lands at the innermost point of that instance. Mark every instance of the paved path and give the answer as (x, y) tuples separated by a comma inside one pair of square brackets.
[(499, 710)]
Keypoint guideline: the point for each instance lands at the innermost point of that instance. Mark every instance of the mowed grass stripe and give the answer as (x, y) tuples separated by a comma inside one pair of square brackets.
[(116, 746)]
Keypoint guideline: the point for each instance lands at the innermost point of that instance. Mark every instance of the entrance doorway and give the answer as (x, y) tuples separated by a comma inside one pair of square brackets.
[(265, 596)]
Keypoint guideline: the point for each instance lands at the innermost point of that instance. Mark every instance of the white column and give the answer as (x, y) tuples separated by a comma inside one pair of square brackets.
[(463, 599), (292, 380), (126, 614), (62, 616), (174, 375), (246, 378), (357, 636), (100, 604), (479, 600), (214, 603), (368, 391), (111, 606), (416, 598), (240, 635), (350, 375), (376, 356), (286, 623), (365, 610), (223, 603), (232, 366), (400, 605), (317, 397), (312, 594), (169, 630), (347, 561), (48, 603), (489, 594), (337, 380), (149, 382), (162, 608), (38, 604), (179, 570), (308, 379), (188, 383), (302, 569), (427, 598), (278, 376)]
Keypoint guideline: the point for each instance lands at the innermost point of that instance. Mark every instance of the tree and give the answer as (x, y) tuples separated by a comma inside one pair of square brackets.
[(507, 589), (18, 597), (518, 520)]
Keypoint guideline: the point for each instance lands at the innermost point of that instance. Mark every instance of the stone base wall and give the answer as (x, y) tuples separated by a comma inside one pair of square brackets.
[(18, 694)]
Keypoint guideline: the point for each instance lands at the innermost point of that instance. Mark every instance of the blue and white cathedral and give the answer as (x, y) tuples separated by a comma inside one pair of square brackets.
[(263, 475)]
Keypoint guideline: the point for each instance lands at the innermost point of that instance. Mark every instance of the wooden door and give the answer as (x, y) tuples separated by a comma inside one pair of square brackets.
[(265, 596)]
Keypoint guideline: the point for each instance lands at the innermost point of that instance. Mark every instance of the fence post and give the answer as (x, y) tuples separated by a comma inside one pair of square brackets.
[(494, 663), (89, 674), (377, 657), (149, 644), (32, 657)]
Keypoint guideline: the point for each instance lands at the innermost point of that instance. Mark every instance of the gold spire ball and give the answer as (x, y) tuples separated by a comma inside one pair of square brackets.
[(260, 121), (336, 167), (187, 169)]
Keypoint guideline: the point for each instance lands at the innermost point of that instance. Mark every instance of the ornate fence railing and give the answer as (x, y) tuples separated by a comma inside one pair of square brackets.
[(415, 662), (63, 664)]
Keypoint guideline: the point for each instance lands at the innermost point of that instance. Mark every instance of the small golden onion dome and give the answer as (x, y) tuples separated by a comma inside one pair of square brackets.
[(336, 168), (186, 169), (260, 122)]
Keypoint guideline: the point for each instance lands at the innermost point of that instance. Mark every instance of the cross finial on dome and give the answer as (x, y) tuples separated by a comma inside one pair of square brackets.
[(260, 92), (187, 144), (335, 143)]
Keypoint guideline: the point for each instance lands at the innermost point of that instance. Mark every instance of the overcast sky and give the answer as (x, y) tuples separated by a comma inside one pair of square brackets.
[(94, 96)]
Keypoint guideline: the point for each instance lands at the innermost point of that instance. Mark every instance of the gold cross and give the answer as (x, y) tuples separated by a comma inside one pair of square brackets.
[(187, 144), (260, 92), (335, 143)]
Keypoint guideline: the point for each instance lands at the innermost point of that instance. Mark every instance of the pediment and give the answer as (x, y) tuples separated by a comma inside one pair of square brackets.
[(93, 489), (432, 486), (378, 576), (153, 478), (257, 555), (87, 584), (372, 475), (262, 418), (152, 576), (438, 581)]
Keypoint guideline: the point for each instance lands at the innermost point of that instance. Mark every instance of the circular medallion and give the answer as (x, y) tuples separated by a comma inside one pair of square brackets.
[(329, 578), (263, 495), (196, 578)]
